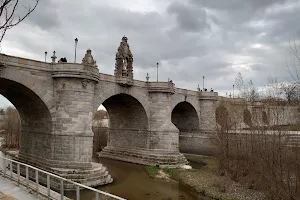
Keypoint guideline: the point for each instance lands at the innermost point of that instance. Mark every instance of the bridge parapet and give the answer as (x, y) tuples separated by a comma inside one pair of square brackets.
[(186, 92), (8, 60), (74, 70), (163, 87), (208, 96)]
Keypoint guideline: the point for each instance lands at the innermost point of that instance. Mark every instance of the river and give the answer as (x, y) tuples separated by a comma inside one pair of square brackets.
[(133, 183)]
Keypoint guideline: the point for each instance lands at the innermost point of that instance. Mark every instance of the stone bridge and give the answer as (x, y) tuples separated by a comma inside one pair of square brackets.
[(56, 102), (259, 113)]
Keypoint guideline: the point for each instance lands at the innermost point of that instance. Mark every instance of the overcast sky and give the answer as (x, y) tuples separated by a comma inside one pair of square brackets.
[(189, 38)]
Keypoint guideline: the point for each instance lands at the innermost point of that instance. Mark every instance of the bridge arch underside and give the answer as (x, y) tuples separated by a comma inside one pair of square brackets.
[(185, 118), (130, 138), (128, 122), (36, 123)]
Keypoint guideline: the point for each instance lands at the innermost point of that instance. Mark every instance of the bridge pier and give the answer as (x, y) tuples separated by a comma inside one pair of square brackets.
[(157, 143), (68, 147)]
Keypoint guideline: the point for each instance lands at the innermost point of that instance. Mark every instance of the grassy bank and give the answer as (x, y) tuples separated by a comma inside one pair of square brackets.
[(208, 180), (154, 172), (9, 152)]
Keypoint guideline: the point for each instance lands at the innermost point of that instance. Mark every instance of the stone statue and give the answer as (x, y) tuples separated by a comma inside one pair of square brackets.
[(88, 59), (124, 59)]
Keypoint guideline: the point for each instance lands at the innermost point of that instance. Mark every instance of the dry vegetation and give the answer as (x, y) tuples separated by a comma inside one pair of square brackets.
[(209, 181), (100, 131), (11, 128), (13, 12), (261, 158)]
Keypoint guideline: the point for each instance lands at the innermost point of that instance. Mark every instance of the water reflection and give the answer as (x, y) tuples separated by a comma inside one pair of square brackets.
[(132, 182)]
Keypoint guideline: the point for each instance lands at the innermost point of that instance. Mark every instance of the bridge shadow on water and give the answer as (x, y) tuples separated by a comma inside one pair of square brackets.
[(133, 183)]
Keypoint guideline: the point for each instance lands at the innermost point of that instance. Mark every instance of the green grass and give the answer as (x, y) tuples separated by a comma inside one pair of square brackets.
[(152, 171), (171, 172)]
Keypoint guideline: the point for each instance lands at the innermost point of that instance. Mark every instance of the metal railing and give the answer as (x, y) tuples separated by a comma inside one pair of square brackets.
[(7, 170)]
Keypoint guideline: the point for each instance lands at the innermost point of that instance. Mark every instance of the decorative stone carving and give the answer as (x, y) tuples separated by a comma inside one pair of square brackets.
[(53, 57), (63, 85), (88, 59), (124, 60), (84, 83)]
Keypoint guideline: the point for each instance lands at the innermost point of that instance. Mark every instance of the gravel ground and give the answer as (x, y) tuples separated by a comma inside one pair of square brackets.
[(207, 180)]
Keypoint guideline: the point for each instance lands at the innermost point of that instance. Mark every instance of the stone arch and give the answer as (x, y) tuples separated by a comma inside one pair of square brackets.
[(125, 112), (128, 122), (247, 118), (106, 94), (35, 85), (193, 101), (222, 116), (36, 120), (185, 117)]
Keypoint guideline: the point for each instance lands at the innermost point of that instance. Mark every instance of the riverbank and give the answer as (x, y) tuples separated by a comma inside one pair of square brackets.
[(6, 197), (9, 152), (206, 179)]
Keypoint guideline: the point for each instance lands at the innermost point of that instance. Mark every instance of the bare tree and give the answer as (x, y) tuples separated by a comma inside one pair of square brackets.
[(248, 92), (262, 158), (100, 130), (252, 92), (239, 83), (272, 90), (12, 128), (10, 14), (294, 66), (290, 91)]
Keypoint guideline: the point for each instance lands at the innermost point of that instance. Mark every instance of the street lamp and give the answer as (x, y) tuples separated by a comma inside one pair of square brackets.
[(157, 70), (203, 83), (232, 91), (45, 55), (76, 41)]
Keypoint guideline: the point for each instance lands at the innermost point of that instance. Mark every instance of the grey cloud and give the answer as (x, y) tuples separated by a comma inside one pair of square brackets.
[(45, 15), (189, 40), (189, 18)]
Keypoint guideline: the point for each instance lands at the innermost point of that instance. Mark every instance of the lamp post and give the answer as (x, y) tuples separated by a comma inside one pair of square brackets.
[(232, 91), (45, 56), (157, 70), (76, 41), (203, 83)]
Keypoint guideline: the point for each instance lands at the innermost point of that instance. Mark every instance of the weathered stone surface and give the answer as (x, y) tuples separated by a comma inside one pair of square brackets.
[(149, 122)]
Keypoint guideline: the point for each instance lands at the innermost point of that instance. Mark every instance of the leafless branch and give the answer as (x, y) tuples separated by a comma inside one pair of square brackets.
[(9, 15), (295, 50)]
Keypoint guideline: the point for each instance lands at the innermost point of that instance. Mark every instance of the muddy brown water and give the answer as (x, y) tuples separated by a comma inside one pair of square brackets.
[(133, 183)]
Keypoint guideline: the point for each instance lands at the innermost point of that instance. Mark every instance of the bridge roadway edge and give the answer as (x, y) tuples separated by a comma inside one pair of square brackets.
[(73, 106)]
